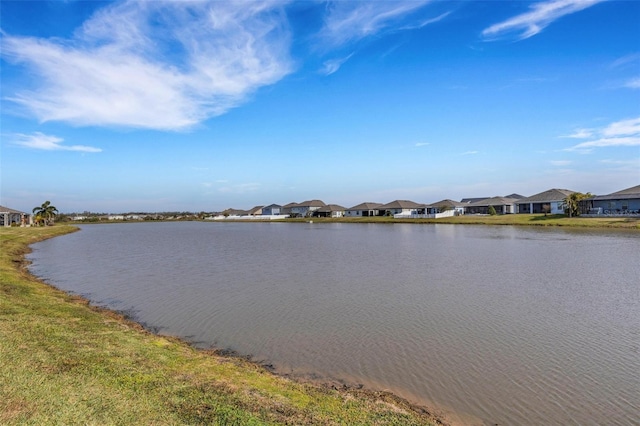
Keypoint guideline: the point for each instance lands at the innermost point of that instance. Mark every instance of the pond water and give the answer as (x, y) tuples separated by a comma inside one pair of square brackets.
[(506, 325)]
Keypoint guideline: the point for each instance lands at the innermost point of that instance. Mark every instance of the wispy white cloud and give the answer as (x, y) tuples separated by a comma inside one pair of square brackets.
[(580, 134), (44, 142), (419, 144), (348, 21), (560, 162), (469, 153), (426, 22), (541, 15), (625, 61), (158, 65), (333, 65), (619, 133), (633, 83)]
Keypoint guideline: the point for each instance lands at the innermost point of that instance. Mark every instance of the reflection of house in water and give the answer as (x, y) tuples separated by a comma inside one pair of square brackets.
[(10, 217)]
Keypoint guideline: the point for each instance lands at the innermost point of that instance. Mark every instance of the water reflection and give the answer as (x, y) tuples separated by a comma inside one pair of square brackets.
[(502, 324)]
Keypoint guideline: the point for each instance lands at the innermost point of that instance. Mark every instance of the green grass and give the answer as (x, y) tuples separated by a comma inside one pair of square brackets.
[(510, 219), (63, 361)]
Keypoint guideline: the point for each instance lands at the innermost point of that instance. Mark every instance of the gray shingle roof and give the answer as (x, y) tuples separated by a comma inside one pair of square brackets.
[(401, 204), (311, 203), (494, 201), (625, 194), (331, 208), (447, 203), (4, 209), (366, 206), (548, 196)]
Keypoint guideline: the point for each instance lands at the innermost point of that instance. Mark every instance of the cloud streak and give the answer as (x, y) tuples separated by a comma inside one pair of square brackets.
[(537, 19), (352, 21), (44, 142), (619, 133), (156, 65)]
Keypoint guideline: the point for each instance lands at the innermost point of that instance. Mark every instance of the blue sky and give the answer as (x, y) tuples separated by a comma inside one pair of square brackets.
[(192, 106)]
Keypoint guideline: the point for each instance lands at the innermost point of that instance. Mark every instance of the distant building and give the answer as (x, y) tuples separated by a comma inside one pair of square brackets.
[(330, 210), (10, 217), (364, 210), (502, 205), (272, 209), (402, 207), (624, 202), (550, 201)]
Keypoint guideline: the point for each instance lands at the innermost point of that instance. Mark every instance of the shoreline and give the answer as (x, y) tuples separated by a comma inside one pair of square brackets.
[(527, 220), (392, 403)]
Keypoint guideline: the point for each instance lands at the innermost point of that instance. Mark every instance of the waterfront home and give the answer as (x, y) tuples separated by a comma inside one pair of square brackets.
[(330, 210), (271, 209), (255, 211), (9, 217), (502, 205), (402, 208), (286, 209), (624, 202), (306, 208), (364, 210), (549, 201), (445, 205)]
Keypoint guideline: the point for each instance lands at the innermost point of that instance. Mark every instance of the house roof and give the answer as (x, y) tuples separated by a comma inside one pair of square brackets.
[(4, 209), (312, 203), (400, 204), (272, 206), (548, 196), (287, 206), (447, 203), (255, 210), (494, 201), (625, 194), (514, 195), (235, 212), (473, 200), (366, 206), (331, 208)]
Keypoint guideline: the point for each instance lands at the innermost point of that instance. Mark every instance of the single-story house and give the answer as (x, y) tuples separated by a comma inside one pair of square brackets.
[(445, 205), (234, 212), (255, 211), (502, 205), (272, 209), (10, 216), (306, 208), (402, 207), (364, 210), (626, 201), (549, 201), (330, 210)]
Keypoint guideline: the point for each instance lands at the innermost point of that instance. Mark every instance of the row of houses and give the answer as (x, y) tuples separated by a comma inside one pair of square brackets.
[(624, 202)]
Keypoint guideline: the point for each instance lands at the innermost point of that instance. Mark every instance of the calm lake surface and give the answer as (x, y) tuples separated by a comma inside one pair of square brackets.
[(507, 325)]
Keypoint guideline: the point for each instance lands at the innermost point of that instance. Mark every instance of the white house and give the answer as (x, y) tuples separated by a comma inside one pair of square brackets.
[(402, 207), (364, 210)]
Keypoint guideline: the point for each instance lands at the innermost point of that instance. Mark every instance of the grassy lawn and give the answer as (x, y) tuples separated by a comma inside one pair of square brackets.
[(510, 219), (65, 362)]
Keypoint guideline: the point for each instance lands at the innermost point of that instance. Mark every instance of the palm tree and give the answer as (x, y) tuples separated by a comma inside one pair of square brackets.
[(46, 212), (572, 203)]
